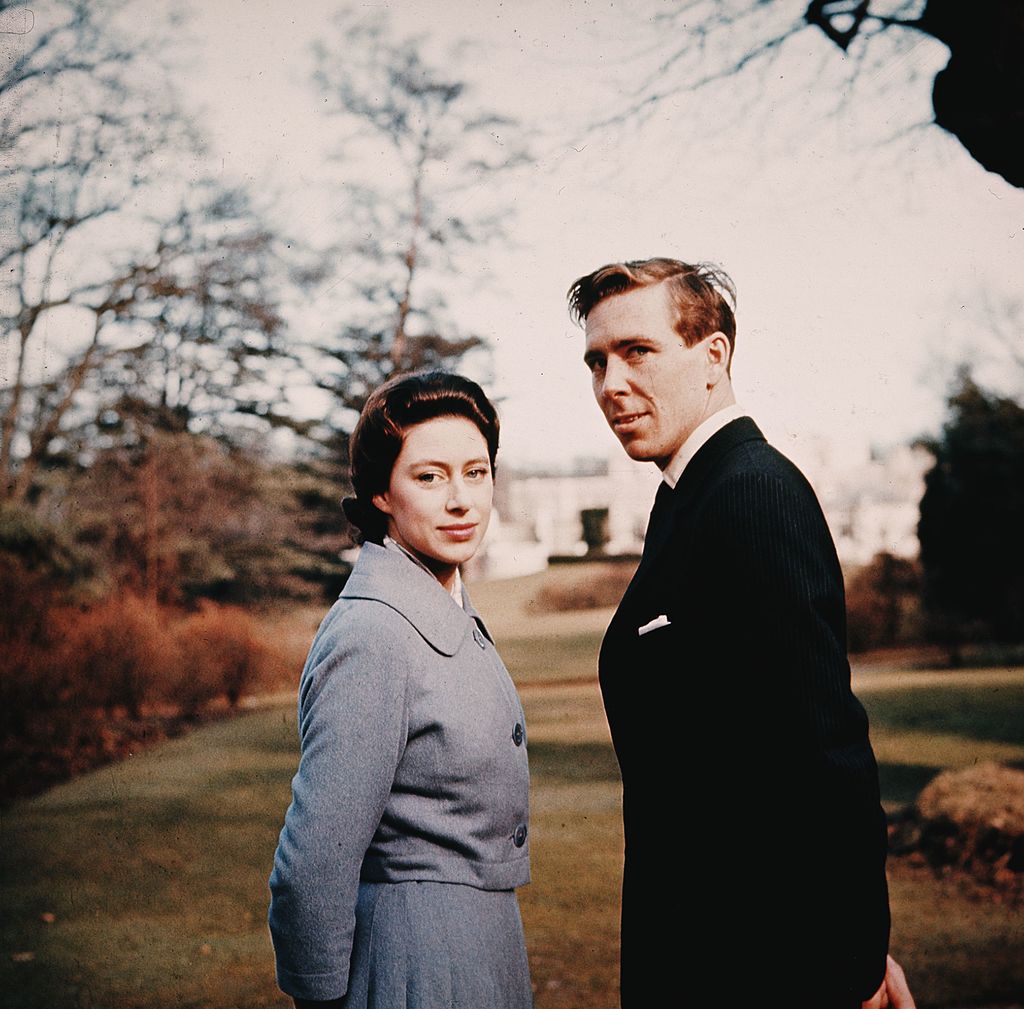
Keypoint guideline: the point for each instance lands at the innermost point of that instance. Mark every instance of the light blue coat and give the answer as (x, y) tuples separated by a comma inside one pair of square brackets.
[(413, 765)]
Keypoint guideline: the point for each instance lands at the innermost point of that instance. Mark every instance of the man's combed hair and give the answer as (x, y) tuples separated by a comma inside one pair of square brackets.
[(703, 294), (393, 408)]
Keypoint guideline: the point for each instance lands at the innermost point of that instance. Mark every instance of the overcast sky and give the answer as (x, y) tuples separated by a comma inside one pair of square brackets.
[(860, 264)]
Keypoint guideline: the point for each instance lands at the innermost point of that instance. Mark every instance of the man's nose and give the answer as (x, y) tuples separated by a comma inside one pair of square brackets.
[(615, 381)]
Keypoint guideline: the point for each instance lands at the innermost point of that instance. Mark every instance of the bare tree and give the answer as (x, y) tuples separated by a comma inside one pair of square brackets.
[(186, 335), (416, 150), (198, 339), (167, 290), (1006, 327), (79, 136), (978, 96), (984, 331), (196, 518)]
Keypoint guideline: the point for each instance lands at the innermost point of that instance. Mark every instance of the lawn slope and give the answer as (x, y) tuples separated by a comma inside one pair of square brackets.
[(144, 884)]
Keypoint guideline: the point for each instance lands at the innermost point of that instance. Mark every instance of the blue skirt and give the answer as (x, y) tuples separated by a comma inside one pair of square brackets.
[(427, 945)]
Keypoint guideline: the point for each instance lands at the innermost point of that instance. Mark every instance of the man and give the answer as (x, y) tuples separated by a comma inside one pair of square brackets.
[(755, 841)]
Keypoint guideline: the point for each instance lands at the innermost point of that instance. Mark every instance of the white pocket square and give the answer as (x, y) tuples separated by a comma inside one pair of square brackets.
[(659, 621)]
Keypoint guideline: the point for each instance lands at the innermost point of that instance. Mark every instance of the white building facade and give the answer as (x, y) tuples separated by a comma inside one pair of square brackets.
[(870, 501)]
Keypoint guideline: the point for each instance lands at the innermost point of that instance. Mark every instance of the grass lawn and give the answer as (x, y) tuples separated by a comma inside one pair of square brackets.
[(154, 870)]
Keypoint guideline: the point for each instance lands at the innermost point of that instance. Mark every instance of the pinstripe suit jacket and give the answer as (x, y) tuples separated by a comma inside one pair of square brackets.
[(750, 790)]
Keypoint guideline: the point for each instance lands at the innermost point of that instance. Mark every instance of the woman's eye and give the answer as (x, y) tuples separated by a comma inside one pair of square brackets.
[(479, 473), (427, 477)]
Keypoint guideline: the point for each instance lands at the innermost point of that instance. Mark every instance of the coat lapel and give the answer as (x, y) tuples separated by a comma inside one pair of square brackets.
[(670, 504), (391, 578)]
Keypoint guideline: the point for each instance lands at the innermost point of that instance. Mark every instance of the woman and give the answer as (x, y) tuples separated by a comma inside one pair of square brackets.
[(393, 883)]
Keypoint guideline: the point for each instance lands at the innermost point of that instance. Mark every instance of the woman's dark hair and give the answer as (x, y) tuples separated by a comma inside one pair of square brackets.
[(399, 404)]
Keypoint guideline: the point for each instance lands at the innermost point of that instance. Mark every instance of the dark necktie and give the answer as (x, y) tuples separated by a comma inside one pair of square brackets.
[(659, 523)]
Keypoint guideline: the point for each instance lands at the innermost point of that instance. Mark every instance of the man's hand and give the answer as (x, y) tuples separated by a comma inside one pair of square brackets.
[(894, 992)]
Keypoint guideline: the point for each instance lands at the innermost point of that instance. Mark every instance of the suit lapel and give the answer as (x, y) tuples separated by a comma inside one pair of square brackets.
[(670, 504), (711, 454)]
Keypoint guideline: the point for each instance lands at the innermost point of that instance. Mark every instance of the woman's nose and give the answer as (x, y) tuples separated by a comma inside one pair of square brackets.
[(458, 499)]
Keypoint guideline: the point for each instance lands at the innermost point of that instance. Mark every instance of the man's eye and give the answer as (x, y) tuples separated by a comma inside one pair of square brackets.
[(639, 351), (595, 366)]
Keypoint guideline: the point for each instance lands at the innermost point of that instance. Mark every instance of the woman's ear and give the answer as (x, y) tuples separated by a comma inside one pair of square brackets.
[(380, 502)]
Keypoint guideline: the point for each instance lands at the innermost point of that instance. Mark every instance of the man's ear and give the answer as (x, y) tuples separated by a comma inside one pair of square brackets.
[(381, 503), (718, 353)]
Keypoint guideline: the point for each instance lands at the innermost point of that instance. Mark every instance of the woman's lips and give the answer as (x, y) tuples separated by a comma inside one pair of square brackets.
[(463, 531)]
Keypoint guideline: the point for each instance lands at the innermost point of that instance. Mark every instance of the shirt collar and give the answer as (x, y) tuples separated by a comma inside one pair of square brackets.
[(698, 437)]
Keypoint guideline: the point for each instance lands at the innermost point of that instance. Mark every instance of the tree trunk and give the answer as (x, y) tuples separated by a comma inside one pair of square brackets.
[(400, 342), (40, 439)]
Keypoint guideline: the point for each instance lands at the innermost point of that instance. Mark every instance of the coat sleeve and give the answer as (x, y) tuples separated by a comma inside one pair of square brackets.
[(353, 727), (810, 751)]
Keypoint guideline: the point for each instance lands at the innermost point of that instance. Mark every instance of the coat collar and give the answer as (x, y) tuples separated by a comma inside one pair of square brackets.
[(711, 453), (389, 577)]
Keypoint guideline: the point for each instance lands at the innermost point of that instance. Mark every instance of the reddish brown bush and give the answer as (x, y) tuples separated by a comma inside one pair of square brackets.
[(25, 645), (117, 653), (221, 656), (85, 685), (883, 604)]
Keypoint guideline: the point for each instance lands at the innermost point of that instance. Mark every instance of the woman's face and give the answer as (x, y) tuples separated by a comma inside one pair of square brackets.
[(438, 502)]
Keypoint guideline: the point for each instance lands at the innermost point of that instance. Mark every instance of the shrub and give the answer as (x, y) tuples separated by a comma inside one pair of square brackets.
[(972, 819), (221, 656), (85, 685), (117, 653), (32, 549), (28, 674), (883, 605), (584, 586)]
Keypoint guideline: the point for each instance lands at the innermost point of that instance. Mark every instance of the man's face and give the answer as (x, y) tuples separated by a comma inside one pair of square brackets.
[(651, 387)]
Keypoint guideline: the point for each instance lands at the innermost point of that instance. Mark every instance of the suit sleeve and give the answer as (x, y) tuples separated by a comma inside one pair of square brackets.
[(809, 747), (353, 727)]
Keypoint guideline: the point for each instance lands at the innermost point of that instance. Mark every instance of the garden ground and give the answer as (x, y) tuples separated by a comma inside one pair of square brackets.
[(143, 884)]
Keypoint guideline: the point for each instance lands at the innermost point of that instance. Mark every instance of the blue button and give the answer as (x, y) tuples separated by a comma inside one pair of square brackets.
[(520, 835), (517, 734)]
